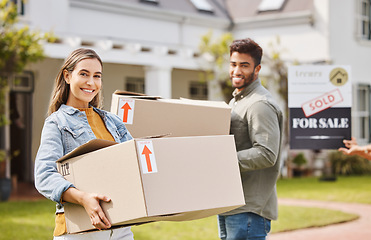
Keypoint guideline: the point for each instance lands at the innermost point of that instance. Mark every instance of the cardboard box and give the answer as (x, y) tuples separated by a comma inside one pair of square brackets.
[(151, 116), (160, 179)]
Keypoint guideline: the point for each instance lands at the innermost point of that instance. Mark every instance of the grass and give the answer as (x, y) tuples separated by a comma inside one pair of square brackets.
[(292, 217), (35, 219), (32, 220), (207, 229), (355, 189)]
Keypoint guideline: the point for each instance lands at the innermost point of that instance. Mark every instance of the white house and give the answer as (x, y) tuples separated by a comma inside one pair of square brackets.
[(151, 46)]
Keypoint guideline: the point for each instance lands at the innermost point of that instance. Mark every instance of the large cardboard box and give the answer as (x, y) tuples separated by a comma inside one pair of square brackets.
[(150, 116), (160, 179)]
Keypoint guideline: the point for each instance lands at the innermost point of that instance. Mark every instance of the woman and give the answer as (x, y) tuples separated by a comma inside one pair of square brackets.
[(352, 148), (75, 118)]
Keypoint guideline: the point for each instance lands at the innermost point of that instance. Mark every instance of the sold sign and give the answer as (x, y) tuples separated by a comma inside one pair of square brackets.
[(321, 103), (146, 156), (126, 110)]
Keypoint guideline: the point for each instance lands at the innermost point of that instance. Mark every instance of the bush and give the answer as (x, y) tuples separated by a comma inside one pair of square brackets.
[(349, 164), (299, 159)]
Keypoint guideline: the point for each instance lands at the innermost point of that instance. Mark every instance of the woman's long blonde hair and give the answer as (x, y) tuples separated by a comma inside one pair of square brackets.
[(62, 89)]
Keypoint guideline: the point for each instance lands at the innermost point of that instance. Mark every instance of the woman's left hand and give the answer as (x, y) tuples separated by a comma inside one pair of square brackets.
[(97, 217), (91, 203)]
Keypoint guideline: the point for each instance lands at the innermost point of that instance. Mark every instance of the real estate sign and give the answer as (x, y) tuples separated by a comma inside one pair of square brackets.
[(320, 101)]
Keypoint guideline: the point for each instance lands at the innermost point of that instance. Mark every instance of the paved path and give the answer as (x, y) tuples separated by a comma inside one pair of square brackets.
[(359, 229)]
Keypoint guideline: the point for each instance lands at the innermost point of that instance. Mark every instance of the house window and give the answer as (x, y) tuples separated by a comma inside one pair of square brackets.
[(203, 6), (363, 111), (270, 5), (198, 90), (22, 82), (364, 23), (154, 2), (134, 84), (20, 6)]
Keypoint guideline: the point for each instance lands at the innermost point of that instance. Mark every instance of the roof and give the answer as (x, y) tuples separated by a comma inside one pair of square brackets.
[(240, 9), (184, 6)]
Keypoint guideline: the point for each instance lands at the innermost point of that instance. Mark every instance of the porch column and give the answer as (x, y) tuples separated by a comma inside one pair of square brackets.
[(158, 81)]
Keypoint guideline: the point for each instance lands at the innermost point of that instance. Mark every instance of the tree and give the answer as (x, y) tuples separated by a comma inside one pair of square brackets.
[(19, 46), (217, 54), (279, 75)]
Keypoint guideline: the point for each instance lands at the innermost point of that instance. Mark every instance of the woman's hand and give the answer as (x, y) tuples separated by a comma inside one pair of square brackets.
[(97, 217), (351, 147), (350, 143), (91, 203)]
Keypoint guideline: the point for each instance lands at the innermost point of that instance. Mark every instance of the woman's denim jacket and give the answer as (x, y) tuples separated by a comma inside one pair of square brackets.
[(63, 131)]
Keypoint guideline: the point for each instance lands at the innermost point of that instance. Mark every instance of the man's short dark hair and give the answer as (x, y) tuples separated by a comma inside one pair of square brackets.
[(247, 46)]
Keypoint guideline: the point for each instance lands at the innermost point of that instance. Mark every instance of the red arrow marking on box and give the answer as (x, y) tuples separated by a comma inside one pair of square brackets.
[(146, 152), (126, 108)]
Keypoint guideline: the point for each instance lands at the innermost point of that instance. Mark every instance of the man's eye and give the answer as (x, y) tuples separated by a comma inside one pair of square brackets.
[(97, 76), (83, 74)]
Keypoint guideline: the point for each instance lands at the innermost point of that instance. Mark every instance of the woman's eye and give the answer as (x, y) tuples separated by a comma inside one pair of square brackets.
[(83, 74)]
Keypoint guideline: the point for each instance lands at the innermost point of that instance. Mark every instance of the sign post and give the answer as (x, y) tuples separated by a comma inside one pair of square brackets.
[(320, 101)]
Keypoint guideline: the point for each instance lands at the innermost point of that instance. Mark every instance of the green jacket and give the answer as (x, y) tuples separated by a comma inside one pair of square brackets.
[(256, 123)]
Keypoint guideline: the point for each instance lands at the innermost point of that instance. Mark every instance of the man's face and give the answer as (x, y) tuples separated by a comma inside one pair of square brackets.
[(242, 70)]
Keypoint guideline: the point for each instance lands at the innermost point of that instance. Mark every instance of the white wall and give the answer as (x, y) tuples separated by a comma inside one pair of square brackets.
[(132, 26), (303, 35), (345, 48)]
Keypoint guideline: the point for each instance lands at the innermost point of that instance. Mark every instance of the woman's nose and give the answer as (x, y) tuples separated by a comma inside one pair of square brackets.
[(90, 81)]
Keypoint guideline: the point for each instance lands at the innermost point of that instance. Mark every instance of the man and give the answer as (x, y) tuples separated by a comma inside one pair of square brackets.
[(256, 123)]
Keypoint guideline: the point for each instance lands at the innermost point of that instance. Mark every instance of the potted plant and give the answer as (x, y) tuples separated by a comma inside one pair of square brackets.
[(5, 183), (299, 161), (18, 47)]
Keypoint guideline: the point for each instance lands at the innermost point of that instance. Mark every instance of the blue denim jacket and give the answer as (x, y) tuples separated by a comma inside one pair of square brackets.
[(63, 131)]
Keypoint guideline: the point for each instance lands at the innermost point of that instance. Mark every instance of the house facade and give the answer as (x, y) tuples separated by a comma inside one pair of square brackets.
[(152, 46)]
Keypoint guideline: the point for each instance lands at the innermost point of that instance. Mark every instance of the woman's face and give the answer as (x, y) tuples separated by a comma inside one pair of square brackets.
[(85, 82)]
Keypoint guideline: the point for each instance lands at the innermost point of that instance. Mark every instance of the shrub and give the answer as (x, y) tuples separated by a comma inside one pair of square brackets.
[(349, 164), (299, 159)]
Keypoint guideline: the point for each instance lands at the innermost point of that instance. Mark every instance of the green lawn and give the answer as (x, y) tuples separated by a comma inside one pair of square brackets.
[(32, 220), (344, 189), (35, 220), (207, 229)]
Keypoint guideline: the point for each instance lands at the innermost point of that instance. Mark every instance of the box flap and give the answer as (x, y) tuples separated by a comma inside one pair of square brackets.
[(202, 103), (123, 92), (135, 95), (156, 136), (90, 146)]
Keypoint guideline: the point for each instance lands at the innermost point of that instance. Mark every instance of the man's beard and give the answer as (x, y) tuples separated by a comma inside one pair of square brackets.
[(247, 81)]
